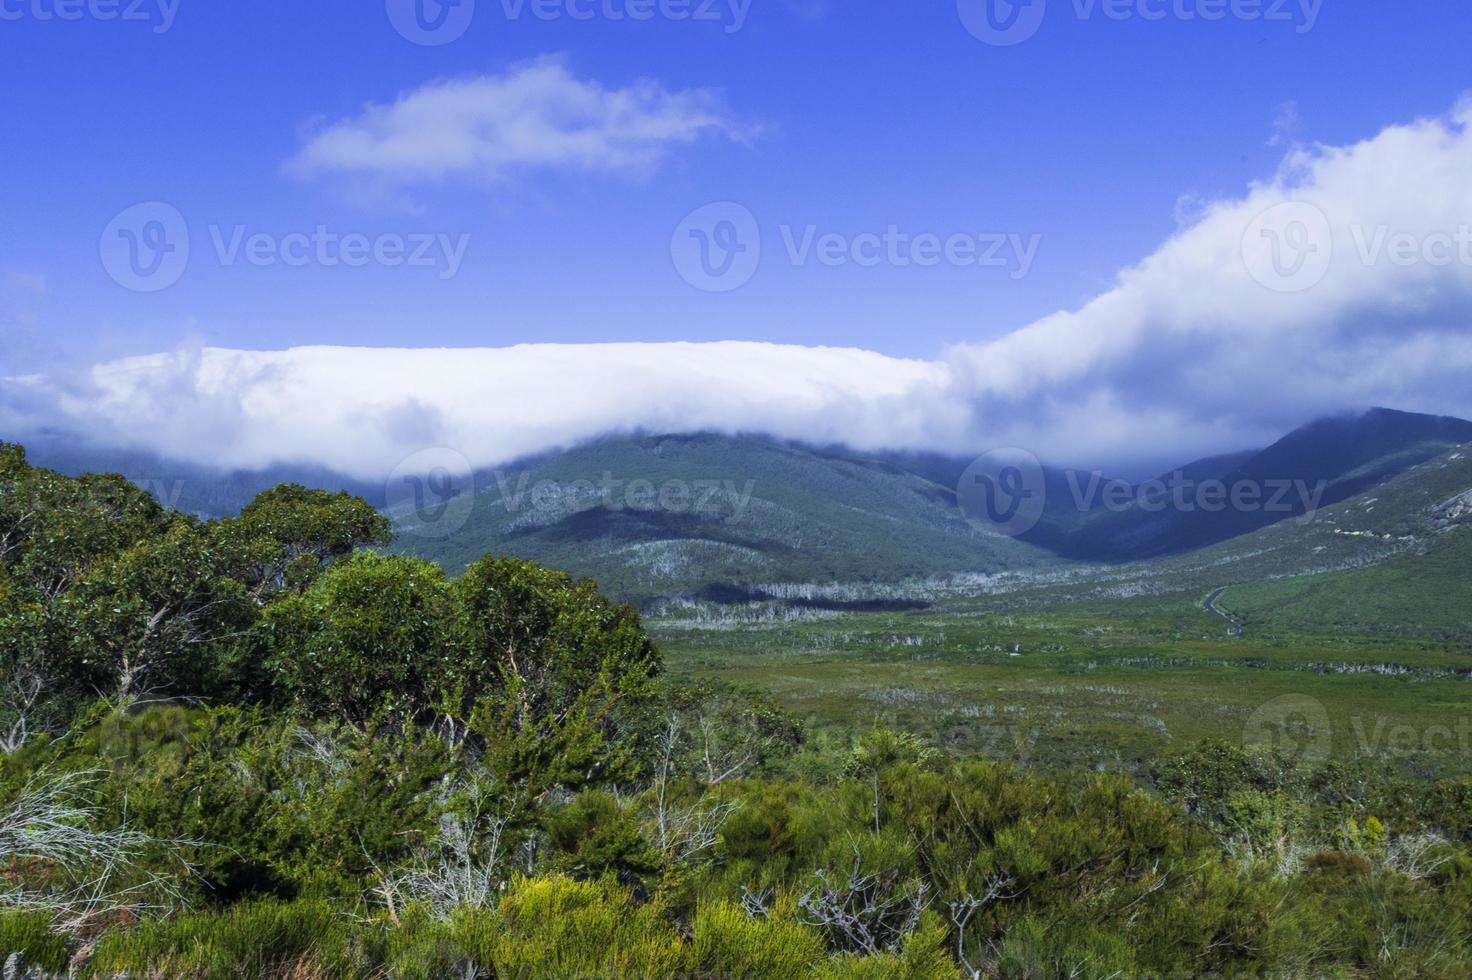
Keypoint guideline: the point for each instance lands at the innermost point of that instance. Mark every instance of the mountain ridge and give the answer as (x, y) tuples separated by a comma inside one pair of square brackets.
[(721, 517)]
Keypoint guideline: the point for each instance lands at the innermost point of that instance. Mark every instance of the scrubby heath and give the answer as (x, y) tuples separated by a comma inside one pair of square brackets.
[(260, 746)]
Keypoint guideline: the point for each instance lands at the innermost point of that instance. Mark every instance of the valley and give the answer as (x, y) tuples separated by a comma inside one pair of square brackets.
[(854, 590)]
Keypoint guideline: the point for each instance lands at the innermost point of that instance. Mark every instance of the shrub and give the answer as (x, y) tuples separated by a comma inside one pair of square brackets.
[(30, 934), (256, 939), (730, 943), (372, 629), (556, 927)]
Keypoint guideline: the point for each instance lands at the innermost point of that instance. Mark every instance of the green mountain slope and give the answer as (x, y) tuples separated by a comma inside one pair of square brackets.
[(1424, 594), (714, 516), (1424, 589), (1334, 458), (1394, 561), (738, 521)]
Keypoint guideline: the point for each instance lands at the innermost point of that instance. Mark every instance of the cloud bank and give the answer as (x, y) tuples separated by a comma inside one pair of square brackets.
[(1344, 281), (362, 411)]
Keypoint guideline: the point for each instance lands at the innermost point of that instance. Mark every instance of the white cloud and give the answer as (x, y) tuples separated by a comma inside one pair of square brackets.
[(1188, 354), (362, 411), (1287, 123), (535, 116), (1190, 343)]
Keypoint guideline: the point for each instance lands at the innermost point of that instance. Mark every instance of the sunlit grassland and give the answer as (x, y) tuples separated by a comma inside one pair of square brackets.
[(1112, 685)]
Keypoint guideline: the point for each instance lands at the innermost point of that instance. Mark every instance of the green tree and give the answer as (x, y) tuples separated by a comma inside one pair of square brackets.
[(287, 535), (371, 630), (136, 615), (555, 671), (545, 640)]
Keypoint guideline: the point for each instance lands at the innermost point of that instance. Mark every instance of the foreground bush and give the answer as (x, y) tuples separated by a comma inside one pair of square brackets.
[(310, 849), (363, 768)]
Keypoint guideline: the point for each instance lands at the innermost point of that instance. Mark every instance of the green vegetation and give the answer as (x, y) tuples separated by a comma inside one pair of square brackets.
[(262, 746), (1428, 594), (1114, 685), (653, 517)]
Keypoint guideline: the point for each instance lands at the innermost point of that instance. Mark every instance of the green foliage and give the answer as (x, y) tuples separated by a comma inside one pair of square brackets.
[(730, 943), (300, 531), (721, 732), (257, 939), (548, 638), (102, 589), (139, 612), (559, 927), (368, 769), (594, 836), (30, 933), (372, 630)]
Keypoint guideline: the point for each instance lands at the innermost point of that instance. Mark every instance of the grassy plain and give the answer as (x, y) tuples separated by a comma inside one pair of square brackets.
[(1113, 684)]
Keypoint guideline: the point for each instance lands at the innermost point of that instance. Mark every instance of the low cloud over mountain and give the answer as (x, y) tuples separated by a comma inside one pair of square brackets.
[(1344, 281)]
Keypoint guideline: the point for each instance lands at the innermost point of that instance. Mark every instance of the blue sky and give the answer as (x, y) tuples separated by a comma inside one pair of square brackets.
[(556, 170), (863, 116)]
